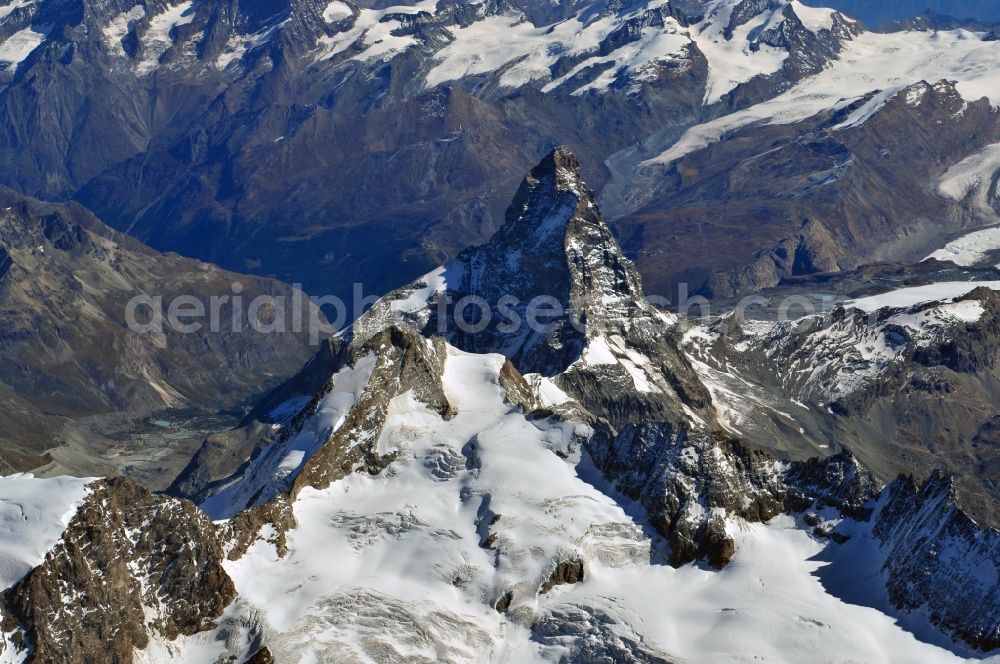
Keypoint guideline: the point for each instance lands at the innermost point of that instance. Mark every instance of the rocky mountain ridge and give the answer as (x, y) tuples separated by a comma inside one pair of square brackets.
[(915, 365), (74, 374), (410, 431), (301, 96)]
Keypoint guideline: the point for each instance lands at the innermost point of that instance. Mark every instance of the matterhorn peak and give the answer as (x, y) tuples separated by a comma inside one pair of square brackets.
[(553, 292), (550, 197)]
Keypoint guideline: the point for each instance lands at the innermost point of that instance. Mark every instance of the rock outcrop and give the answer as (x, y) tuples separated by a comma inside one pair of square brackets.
[(131, 567)]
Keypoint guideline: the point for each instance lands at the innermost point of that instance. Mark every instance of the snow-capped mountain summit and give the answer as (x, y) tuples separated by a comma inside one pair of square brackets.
[(435, 502), (220, 109), (552, 292)]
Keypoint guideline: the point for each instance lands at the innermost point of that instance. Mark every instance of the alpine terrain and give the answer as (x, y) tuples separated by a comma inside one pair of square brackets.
[(518, 458), (330, 143), (661, 331)]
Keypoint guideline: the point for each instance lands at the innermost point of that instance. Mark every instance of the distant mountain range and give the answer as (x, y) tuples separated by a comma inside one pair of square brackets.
[(878, 12), (329, 143)]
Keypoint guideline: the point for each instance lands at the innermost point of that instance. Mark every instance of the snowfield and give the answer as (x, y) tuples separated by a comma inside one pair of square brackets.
[(907, 297), (34, 513), (871, 63), (19, 46), (971, 249), (394, 566)]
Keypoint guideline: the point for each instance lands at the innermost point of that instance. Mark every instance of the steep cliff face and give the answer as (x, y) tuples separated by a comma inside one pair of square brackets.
[(939, 561), (335, 433), (693, 484), (553, 292), (130, 568)]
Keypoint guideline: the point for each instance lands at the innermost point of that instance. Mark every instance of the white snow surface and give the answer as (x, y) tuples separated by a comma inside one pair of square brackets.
[(435, 282), (971, 249), (393, 566), (871, 63), (7, 10), (19, 45), (814, 18), (372, 32), (907, 297), (525, 53), (522, 52), (278, 464), (120, 25), (336, 11), (157, 38), (34, 513), (731, 61), (973, 175)]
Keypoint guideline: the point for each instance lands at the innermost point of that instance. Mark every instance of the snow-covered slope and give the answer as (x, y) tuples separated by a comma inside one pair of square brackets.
[(872, 65), (34, 513), (432, 503), (452, 553)]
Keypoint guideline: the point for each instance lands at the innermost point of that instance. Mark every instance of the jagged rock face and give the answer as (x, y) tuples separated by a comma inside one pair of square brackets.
[(553, 292), (537, 253), (692, 483), (939, 560), (68, 355), (335, 433), (131, 567), (907, 388), (398, 102)]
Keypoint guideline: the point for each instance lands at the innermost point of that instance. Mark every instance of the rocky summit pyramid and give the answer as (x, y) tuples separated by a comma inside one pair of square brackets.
[(553, 292)]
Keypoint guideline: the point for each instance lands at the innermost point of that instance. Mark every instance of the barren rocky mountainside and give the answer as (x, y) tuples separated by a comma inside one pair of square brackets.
[(81, 391), (330, 142), (583, 491)]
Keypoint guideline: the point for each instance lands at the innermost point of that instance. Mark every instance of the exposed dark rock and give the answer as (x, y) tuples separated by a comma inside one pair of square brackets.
[(566, 571), (503, 602), (555, 248), (939, 560), (776, 202), (131, 567), (262, 656), (689, 482)]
